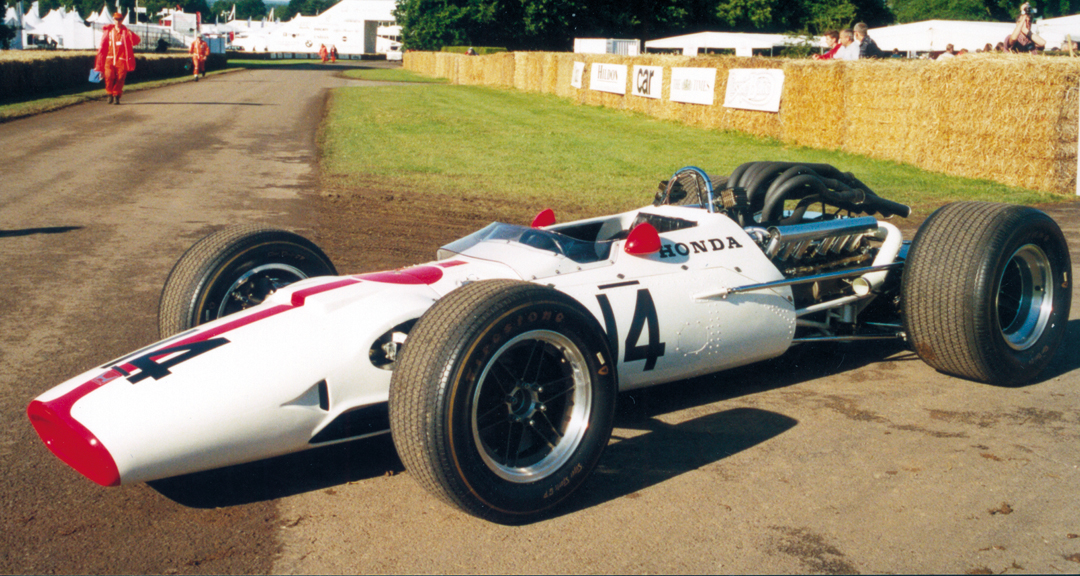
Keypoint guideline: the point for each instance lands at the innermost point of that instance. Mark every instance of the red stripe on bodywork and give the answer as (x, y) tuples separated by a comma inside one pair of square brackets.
[(78, 447), (418, 275)]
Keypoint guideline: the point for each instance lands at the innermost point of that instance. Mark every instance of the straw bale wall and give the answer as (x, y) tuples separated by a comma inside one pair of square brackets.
[(1007, 118)]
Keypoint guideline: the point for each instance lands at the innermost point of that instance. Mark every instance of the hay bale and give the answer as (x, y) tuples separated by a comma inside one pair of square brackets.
[(813, 104), (997, 117), (957, 117)]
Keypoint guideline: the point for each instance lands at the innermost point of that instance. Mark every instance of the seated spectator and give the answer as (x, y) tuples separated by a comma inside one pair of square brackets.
[(832, 40), (948, 53), (867, 47), (849, 49), (1022, 39), (988, 48)]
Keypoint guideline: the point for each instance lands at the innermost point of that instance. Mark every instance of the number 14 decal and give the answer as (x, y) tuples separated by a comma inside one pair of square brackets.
[(644, 312)]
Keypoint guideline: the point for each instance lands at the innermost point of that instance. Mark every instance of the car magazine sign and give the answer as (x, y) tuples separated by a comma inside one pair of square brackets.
[(754, 89), (579, 71), (648, 81), (693, 85), (608, 78)]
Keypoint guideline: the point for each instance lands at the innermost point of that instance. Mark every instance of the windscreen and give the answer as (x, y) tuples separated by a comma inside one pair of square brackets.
[(579, 251)]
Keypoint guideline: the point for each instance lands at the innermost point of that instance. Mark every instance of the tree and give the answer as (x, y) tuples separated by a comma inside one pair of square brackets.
[(553, 24), (919, 10), (306, 7), (254, 9), (7, 34)]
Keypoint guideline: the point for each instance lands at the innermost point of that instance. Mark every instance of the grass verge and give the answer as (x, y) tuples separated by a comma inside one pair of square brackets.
[(392, 75), (484, 142)]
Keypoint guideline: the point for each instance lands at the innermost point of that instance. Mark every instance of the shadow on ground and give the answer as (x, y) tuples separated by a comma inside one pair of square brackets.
[(629, 465), (33, 231), (285, 475)]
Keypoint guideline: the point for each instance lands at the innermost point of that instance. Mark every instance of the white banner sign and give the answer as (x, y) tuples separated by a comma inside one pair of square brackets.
[(693, 85), (579, 71), (754, 89), (608, 78), (648, 80)]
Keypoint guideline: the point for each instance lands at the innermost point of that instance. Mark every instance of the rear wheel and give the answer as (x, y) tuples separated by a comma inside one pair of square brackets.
[(503, 399), (986, 291), (232, 270)]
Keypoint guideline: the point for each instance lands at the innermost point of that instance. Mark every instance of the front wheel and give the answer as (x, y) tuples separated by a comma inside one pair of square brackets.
[(986, 291), (234, 269), (503, 399)]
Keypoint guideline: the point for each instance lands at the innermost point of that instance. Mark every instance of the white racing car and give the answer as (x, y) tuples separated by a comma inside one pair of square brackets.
[(496, 367)]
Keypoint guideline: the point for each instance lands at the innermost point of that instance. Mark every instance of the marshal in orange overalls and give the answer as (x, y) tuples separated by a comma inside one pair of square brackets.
[(199, 51), (116, 57)]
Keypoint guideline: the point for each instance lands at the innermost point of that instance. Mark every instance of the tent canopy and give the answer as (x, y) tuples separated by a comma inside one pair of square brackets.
[(691, 43)]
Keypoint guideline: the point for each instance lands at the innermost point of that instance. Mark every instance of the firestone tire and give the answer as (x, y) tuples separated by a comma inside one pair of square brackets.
[(234, 269), (503, 399), (986, 291)]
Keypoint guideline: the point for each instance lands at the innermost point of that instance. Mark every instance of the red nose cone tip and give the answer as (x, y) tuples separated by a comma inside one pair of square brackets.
[(643, 240), (74, 444), (544, 218)]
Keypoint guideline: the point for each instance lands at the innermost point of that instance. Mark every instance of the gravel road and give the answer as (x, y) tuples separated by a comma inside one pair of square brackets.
[(842, 459)]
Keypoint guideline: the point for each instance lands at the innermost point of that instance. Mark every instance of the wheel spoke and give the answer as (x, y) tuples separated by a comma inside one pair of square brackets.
[(513, 443), (550, 426), (549, 395), (537, 351), (491, 418), (499, 382)]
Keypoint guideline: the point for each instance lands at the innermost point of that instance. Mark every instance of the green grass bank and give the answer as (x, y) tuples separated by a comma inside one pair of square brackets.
[(490, 142)]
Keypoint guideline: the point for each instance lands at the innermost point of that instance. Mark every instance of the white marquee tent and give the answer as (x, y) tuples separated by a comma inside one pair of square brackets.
[(353, 26), (743, 44), (934, 35)]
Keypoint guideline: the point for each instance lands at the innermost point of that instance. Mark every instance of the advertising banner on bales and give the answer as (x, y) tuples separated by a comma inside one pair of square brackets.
[(579, 71), (693, 85), (754, 89), (608, 78), (648, 80)]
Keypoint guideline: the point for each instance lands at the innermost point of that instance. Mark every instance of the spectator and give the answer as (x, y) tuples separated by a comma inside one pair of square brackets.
[(988, 48), (949, 52), (832, 40), (1022, 39), (470, 52), (867, 47), (333, 53), (849, 49)]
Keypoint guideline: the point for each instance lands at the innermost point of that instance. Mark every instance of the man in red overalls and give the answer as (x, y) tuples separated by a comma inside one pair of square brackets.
[(322, 53), (116, 57), (199, 51)]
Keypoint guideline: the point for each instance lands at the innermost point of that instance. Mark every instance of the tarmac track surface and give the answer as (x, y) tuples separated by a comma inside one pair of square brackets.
[(828, 460)]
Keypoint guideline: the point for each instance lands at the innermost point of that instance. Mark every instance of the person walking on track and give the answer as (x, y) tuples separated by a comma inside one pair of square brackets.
[(199, 51), (116, 56)]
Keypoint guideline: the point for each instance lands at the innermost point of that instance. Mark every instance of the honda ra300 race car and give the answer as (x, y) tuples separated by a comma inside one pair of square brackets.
[(496, 367)]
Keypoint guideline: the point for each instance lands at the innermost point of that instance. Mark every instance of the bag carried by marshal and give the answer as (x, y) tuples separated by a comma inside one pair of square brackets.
[(95, 76)]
